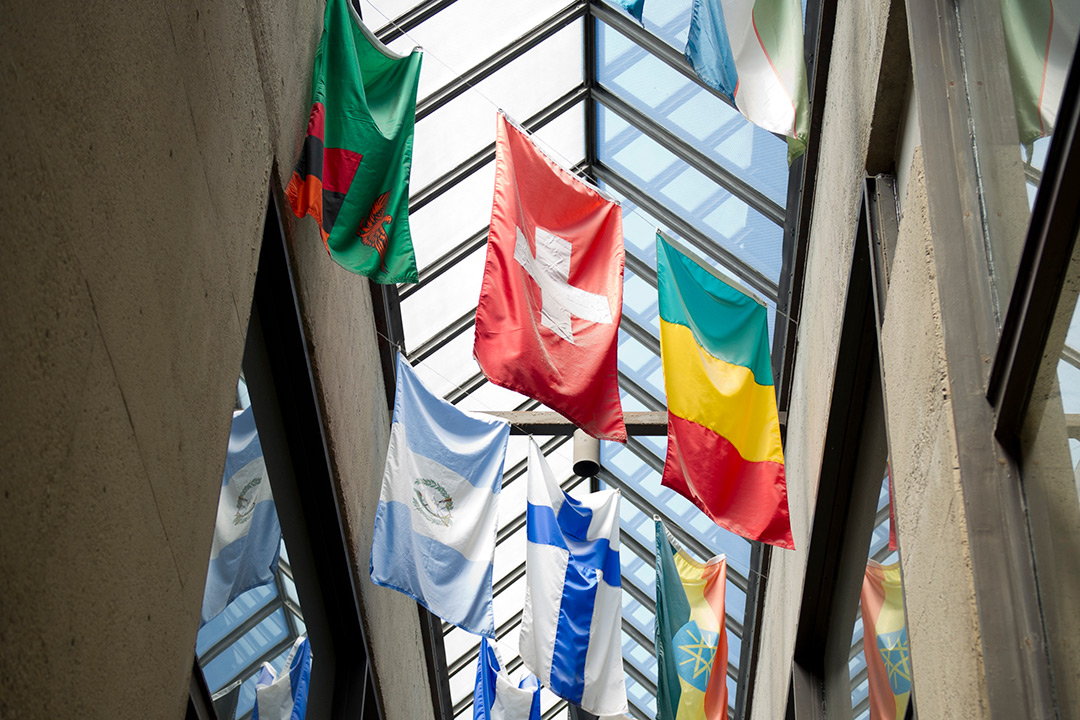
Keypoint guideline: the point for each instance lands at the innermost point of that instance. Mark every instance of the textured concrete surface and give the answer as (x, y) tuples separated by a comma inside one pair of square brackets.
[(939, 589), (138, 143), (336, 306), (849, 109)]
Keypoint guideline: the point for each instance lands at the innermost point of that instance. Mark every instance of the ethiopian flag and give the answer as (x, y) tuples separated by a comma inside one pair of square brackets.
[(888, 662), (691, 644), (353, 172), (724, 452)]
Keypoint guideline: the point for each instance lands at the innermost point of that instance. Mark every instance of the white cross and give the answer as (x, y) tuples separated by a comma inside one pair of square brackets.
[(559, 299)]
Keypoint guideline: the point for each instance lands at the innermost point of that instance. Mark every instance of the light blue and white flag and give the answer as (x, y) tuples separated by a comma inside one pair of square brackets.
[(501, 695), (752, 52), (284, 696), (247, 536), (434, 536), (571, 629)]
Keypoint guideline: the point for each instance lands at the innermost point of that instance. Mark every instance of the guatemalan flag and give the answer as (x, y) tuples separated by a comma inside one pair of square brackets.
[(500, 695), (434, 536), (284, 696), (247, 536), (752, 52), (571, 629)]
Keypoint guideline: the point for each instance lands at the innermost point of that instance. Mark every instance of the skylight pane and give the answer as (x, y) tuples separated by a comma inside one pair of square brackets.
[(453, 293), (715, 212), (466, 124), (464, 34), (453, 216), (692, 113)]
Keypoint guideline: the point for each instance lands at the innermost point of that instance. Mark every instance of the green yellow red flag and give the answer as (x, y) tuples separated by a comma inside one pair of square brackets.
[(724, 452), (353, 172), (885, 643), (691, 642)]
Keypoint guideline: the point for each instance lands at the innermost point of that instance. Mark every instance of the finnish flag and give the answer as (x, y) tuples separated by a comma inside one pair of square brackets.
[(247, 536), (434, 536), (284, 696), (500, 695), (571, 629)]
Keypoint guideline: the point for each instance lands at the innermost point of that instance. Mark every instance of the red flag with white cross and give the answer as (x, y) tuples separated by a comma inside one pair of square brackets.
[(547, 323)]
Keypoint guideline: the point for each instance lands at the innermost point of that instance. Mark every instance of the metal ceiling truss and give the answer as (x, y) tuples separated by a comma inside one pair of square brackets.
[(412, 19), (499, 60)]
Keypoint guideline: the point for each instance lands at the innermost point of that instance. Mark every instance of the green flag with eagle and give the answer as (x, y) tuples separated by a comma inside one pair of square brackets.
[(353, 172)]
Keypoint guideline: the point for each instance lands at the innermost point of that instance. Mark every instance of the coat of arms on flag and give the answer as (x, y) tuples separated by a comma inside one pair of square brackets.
[(434, 536)]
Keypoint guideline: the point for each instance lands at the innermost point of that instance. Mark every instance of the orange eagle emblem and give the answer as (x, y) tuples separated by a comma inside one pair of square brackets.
[(372, 231)]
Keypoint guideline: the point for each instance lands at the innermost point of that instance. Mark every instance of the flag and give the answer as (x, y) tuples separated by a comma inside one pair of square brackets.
[(434, 536), (724, 451), (691, 642), (636, 8), (1040, 36), (571, 628), (885, 644), (284, 696), (547, 323), (751, 51), (247, 536), (353, 172), (500, 695)]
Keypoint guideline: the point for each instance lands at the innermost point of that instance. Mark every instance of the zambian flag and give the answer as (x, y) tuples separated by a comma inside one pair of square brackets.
[(885, 644), (724, 452), (691, 643), (353, 172)]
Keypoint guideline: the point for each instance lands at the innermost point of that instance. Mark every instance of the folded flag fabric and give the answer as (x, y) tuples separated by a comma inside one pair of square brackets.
[(1040, 36), (724, 452), (885, 643), (247, 536), (636, 8), (284, 696), (434, 536), (547, 323), (752, 52), (500, 695), (571, 628), (691, 642), (353, 172)]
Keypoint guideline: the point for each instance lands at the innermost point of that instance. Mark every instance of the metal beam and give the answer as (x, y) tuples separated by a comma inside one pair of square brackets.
[(479, 159), (500, 59), (691, 156), (441, 338), (411, 19), (738, 267), (447, 261), (642, 395), (641, 334), (535, 422)]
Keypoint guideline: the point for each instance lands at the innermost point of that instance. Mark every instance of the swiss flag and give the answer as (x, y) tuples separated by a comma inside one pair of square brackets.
[(548, 319)]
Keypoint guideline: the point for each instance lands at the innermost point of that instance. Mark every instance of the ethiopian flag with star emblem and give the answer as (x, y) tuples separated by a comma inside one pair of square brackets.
[(353, 172), (691, 643), (885, 644)]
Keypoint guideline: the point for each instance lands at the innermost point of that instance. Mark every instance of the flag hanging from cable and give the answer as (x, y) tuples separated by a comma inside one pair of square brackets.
[(724, 452), (501, 695), (1040, 36), (434, 536), (885, 644), (284, 696), (547, 323), (247, 536), (571, 628), (353, 172), (751, 51), (691, 641)]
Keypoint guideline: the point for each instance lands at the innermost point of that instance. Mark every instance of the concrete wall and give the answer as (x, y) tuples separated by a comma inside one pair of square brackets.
[(849, 112), (138, 145)]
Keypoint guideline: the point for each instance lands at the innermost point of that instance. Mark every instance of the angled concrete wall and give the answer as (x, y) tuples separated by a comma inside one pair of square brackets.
[(138, 146)]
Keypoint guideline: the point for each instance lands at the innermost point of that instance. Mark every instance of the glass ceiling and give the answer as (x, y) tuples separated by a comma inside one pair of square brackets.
[(618, 103)]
